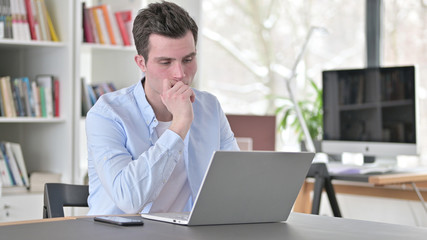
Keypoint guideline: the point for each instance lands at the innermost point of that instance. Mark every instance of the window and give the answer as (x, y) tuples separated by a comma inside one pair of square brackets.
[(405, 43), (249, 47)]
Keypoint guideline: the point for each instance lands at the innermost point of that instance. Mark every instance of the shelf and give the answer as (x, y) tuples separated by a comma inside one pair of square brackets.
[(361, 106), (7, 43), (367, 106), (397, 103), (31, 120), (94, 46)]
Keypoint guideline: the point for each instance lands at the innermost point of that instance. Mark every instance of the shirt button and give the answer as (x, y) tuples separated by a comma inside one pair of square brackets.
[(155, 120)]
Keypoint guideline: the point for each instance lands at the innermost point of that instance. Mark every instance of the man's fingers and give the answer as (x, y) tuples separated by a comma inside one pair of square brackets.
[(166, 85), (179, 88)]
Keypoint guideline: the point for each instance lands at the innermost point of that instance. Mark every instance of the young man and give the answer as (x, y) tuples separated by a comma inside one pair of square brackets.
[(149, 145)]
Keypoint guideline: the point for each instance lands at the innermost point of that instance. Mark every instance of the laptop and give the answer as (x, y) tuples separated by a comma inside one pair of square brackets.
[(245, 187)]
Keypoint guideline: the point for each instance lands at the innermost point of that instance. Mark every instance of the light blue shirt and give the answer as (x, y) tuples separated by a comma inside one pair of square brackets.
[(128, 164)]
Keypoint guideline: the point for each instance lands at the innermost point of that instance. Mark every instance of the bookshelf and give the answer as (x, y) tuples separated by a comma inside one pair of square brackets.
[(46, 142), (58, 144), (99, 63)]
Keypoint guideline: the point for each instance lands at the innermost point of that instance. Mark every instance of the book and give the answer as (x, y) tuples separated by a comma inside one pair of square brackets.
[(103, 10), (56, 97), (42, 95), (36, 20), (94, 29), (7, 97), (8, 20), (31, 19), (2, 106), (16, 28), (19, 157), (46, 85), (97, 21), (124, 18), (87, 25), (18, 97), (44, 28), (114, 26), (29, 99), (8, 166), (1, 103), (86, 102), (36, 95), (4, 172), (92, 94), (16, 172), (22, 11), (50, 26), (2, 20)]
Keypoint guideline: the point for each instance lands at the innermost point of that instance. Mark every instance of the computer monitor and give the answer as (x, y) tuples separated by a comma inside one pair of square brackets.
[(370, 111)]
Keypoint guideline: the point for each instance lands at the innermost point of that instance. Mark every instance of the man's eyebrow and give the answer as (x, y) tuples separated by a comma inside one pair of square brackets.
[(190, 55), (169, 58), (163, 58)]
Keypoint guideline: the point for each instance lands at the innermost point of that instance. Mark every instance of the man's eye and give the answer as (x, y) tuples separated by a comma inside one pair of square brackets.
[(165, 62), (187, 60)]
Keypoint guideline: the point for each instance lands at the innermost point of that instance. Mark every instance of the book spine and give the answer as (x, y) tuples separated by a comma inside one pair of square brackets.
[(10, 110), (29, 100), (36, 20), (30, 18), (4, 173), (8, 20), (9, 169), (36, 94), (24, 20), (43, 101), (93, 25), (14, 165), (98, 26), (50, 26), (122, 28), (107, 23), (87, 26), (56, 97), (20, 111), (102, 24), (44, 28), (19, 157), (2, 107)]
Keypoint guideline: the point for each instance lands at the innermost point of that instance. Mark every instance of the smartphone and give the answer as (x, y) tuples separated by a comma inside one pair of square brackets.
[(122, 221)]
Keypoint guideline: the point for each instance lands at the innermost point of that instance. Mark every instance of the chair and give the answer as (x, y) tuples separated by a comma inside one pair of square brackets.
[(58, 195), (320, 173)]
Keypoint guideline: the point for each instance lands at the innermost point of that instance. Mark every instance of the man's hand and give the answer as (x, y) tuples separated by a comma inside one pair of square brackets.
[(178, 99)]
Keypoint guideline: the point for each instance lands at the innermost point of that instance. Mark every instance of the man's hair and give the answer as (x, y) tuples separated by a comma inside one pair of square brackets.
[(166, 19)]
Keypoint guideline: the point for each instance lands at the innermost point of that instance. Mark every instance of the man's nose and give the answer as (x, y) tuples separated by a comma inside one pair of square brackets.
[(178, 71)]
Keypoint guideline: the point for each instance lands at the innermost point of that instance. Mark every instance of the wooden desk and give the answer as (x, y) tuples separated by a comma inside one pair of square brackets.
[(397, 185), (298, 227)]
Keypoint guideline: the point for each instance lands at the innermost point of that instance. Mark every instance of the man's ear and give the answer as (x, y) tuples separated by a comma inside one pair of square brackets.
[(140, 61)]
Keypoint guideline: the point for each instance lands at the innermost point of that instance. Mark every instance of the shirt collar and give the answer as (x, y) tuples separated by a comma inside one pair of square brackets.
[(143, 105)]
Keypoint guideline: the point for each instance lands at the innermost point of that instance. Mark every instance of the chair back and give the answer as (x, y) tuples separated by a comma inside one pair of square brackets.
[(60, 195)]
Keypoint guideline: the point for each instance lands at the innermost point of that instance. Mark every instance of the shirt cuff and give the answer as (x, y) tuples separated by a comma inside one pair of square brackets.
[(173, 142)]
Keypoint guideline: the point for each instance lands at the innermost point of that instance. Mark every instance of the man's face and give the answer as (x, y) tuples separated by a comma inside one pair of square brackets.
[(168, 58)]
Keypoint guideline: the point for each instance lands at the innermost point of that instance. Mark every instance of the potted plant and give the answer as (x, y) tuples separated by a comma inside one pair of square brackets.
[(312, 113)]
